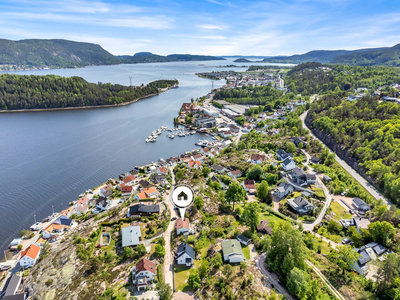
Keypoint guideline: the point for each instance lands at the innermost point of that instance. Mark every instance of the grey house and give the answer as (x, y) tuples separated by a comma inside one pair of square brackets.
[(300, 205)]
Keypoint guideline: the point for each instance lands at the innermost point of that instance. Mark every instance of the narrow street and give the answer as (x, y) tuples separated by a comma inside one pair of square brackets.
[(169, 259), (273, 278)]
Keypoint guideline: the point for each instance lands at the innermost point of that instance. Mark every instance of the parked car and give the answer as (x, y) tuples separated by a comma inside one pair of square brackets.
[(272, 285), (279, 282), (5, 267), (173, 218), (345, 241)]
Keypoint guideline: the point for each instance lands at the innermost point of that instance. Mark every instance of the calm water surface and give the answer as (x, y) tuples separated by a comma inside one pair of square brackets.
[(48, 158)]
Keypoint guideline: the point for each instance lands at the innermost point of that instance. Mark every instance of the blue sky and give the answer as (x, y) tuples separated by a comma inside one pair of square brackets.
[(214, 27)]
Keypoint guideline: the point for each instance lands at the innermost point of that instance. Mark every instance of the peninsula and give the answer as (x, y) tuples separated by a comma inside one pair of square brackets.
[(56, 92)]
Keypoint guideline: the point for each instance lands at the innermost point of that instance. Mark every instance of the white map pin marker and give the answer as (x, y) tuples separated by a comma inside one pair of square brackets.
[(182, 197)]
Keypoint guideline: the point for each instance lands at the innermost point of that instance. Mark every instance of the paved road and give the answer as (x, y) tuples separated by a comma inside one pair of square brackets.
[(370, 188), (169, 259), (328, 199), (272, 277)]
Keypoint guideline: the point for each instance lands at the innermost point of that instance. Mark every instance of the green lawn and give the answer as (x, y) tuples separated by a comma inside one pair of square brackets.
[(181, 276), (246, 252), (268, 216), (333, 237), (205, 248), (340, 211), (111, 246), (325, 249)]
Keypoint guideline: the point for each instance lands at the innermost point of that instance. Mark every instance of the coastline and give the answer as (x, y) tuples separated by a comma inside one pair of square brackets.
[(77, 107)]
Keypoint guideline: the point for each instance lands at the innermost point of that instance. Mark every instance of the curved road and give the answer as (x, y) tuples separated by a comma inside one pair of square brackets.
[(369, 187)]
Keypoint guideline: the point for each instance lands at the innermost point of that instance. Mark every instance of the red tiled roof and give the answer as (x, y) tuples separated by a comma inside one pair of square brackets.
[(182, 224), (150, 191), (129, 178), (32, 251), (106, 187), (145, 265), (163, 170), (249, 184), (126, 189), (236, 172), (193, 163), (142, 195), (82, 200)]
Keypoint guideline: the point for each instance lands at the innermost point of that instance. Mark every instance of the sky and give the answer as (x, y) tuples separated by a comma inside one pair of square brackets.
[(209, 27)]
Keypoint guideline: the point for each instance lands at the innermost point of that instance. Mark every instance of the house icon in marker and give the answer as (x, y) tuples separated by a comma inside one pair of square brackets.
[(182, 196)]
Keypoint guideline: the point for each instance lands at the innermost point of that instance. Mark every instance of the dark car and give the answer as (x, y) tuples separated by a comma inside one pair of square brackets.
[(173, 219), (269, 270), (272, 285), (279, 282)]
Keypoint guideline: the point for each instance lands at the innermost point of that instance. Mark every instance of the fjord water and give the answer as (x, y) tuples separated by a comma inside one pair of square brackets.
[(48, 158)]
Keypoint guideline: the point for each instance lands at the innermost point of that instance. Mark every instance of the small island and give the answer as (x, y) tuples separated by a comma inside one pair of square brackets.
[(242, 60)]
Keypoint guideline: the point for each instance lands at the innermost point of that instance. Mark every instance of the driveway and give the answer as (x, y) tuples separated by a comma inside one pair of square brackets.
[(184, 296), (151, 295), (369, 187)]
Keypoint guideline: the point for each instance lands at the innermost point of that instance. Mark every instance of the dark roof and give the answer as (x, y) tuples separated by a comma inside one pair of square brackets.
[(327, 178), (298, 172), (213, 178), (64, 221), (379, 249), (144, 183), (243, 238), (102, 200), (15, 297), (282, 153), (12, 285), (359, 202), (287, 161), (158, 177), (107, 193), (301, 203), (311, 176), (364, 258), (140, 207), (217, 167), (134, 172), (186, 248), (315, 159)]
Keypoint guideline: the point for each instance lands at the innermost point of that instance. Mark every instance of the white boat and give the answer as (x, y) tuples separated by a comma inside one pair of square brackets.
[(172, 136), (168, 135), (192, 132), (35, 227), (153, 140)]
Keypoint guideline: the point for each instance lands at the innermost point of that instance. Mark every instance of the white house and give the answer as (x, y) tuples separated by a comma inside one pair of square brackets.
[(131, 236), (185, 255), (194, 164), (29, 256), (288, 164), (232, 251), (105, 190), (129, 180), (142, 273), (235, 173), (103, 204), (283, 189), (360, 204), (257, 158)]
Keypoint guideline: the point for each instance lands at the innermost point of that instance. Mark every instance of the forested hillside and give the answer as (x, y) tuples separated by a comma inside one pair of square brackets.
[(316, 78), (50, 91), (53, 54), (147, 57), (382, 57), (370, 130), (321, 56), (259, 95)]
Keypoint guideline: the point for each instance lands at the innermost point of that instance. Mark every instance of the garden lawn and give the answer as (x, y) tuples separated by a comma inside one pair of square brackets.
[(246, 252), (181, 276), (340, 211)]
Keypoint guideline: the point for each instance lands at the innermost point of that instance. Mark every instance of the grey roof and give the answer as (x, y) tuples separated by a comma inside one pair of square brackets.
[(157, 177), (315, 159), (287, 161), (364, 257), (282, 153), (299, 203), (217, 167), (12, 285), (243, 238), (144, 183), (327, 178), (130, 236), (379, 249), (311, 176), (298, 172), (359, 202), (102, 201), (140, 207), (214, 178), (186, 248), (15, 297)]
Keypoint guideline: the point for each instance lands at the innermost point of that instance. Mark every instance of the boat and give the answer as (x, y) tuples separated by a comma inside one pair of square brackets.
[(153, 140), (192, 132), (168, 135), (35, 227), (172, 136)]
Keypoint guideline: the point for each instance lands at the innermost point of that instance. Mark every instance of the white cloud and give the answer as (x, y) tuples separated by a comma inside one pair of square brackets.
[(156, 22), (210, 26)]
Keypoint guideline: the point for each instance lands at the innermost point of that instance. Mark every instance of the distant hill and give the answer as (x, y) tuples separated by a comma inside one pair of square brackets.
[(242, 60), (383, 57), (147, 57), (321, 56), (36, 53)]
